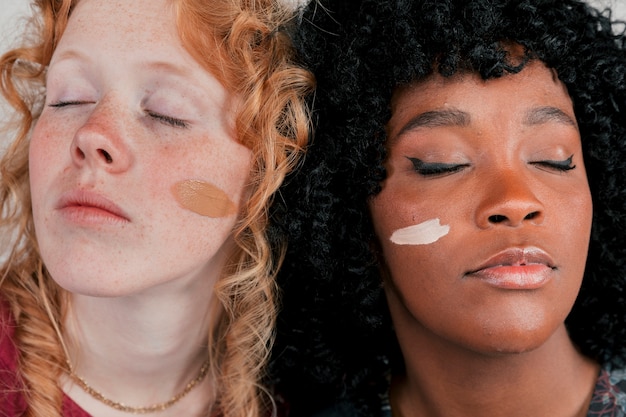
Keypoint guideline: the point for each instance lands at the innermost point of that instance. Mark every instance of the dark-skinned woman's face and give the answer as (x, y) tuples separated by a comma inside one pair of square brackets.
[(485, 216)]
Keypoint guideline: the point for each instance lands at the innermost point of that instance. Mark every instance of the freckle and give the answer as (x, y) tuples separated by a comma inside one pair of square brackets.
[(203, 198)]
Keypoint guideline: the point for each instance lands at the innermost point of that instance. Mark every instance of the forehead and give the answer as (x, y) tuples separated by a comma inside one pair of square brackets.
[(113, 24), (534, 71), (535, 86), (116, 35)]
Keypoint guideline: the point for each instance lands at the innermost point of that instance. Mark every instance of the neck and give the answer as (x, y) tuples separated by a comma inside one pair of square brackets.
[(445, 380), (142, 349)]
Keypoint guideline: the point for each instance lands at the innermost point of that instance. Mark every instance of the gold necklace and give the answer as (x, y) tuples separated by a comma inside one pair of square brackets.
[(139, 410)]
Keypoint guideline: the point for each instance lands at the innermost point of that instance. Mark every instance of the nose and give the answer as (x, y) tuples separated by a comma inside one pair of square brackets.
[(507, 199), (100, 142)]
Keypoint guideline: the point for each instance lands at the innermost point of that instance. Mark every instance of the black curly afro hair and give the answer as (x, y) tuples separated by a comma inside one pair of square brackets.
[(334, 337)]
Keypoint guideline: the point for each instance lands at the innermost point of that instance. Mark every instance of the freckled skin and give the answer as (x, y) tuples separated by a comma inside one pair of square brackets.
[(110, 142)]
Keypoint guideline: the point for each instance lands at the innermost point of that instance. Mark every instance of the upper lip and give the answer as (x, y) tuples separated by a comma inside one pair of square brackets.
[(516, 257), (77, 198)]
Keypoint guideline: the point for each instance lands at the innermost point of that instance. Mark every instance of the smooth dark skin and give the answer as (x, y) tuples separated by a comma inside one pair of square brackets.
[(513, 179)]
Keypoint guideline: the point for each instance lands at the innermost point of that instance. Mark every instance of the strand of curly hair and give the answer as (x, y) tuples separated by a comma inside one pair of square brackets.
[(273, 124)]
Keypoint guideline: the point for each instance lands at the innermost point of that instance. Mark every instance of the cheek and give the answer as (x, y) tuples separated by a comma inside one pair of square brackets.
[(44, 162), (422, 280), (203, 198), (43, 153), (204, 180), (423, 233), (412, 237), (402, 219), (575, 224)]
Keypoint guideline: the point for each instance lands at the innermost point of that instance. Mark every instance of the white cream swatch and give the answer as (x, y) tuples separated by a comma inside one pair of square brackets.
[(424, 233)]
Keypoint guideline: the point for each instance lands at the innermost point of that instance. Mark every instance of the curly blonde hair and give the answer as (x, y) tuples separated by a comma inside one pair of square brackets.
[(244, 44)]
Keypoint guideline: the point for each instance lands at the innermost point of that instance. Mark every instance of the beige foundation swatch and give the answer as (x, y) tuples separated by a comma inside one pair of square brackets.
[(203, 198), (424, 233)]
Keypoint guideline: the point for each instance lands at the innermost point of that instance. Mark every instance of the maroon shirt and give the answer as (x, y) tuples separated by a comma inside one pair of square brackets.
[(12, 400)]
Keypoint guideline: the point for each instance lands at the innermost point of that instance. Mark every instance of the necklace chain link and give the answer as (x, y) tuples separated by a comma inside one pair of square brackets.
[(139, 410)]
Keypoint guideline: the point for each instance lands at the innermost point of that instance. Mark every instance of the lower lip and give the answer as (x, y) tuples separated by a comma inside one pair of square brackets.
[(89, 215), (522, 277)]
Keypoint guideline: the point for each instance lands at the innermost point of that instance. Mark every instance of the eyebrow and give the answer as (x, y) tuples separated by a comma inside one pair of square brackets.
[(70, 55), (436, 118), (162, 66), (167, 67), (459, 118), (547, 114)]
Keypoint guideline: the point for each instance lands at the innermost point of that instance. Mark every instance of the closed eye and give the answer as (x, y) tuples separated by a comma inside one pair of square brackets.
[(168, 120), (60, 104), (552, 165), (432, 169)]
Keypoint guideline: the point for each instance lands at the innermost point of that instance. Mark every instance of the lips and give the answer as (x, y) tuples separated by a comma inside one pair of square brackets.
[(516, 268), (88, 207)]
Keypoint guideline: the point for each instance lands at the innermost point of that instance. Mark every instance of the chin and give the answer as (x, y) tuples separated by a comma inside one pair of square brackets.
[(82, 282), (99, 291), (514, 340), (515, 348)]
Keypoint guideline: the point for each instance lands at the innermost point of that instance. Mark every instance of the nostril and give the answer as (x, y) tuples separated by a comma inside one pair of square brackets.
[(80, 153), (532, 215), (497, 218), (105, 155)]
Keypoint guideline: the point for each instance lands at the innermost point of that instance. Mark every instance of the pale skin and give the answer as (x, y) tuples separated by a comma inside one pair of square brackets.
[(492, 342), (142, 350), (129, 115)]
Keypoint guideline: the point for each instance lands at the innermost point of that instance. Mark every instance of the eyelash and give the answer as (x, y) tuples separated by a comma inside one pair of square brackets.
[(435, 168), (168, 120), (561, 166), (60, 104)]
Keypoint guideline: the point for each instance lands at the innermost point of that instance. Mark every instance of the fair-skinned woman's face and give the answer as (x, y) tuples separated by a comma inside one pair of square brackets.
[(136, 175), (485, 216)]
